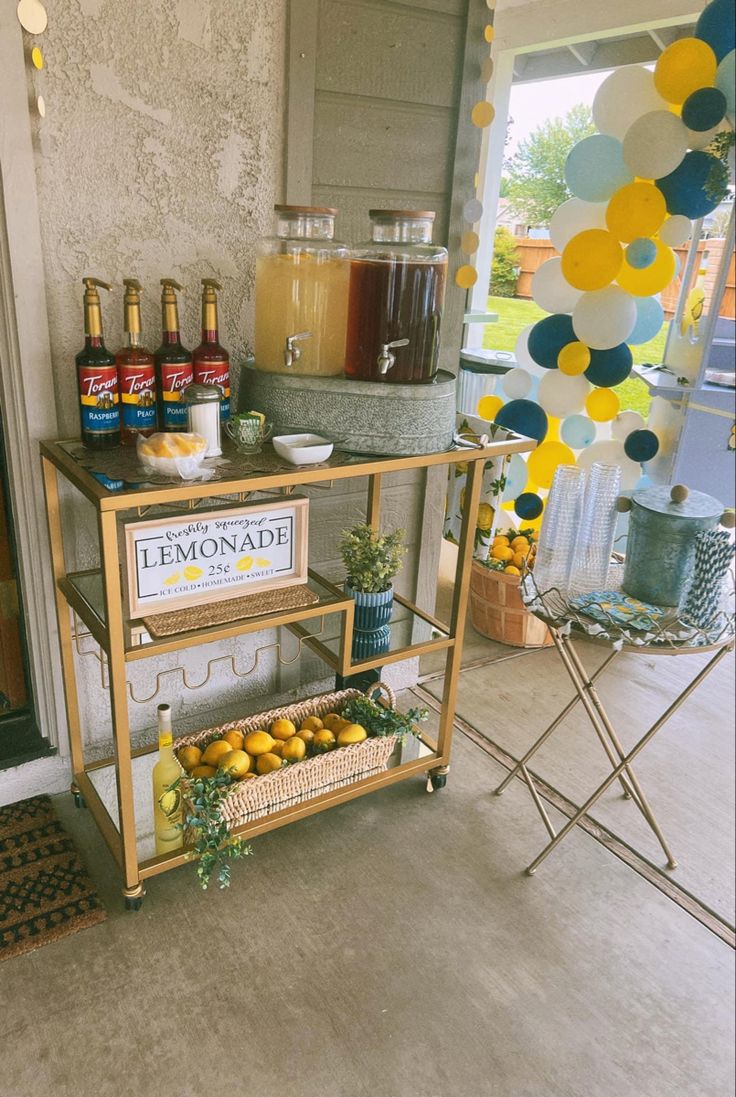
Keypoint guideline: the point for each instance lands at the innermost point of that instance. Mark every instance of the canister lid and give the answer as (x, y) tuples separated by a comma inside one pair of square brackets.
[(318, 211), (406, 214), (202, 394), (696, 504)]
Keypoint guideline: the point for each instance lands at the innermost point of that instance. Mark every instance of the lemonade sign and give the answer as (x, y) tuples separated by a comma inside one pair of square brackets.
[(185, 560)]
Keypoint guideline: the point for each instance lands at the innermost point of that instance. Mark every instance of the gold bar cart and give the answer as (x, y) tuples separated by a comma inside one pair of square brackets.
[(95, 598)]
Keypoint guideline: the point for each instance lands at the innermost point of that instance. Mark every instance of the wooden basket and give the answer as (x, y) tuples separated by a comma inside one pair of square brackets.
[(497, 611), (246, 800)]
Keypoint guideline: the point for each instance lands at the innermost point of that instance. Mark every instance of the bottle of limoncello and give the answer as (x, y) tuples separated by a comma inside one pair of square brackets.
[(167, 804)]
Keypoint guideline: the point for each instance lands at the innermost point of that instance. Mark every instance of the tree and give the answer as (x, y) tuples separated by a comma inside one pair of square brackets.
[(506, 260), (536, 174)]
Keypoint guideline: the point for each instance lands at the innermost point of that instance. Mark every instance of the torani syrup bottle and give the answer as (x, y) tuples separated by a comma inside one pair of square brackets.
[(211, 361), (136, 372), (174, 369), (97, 377), (167, 804)]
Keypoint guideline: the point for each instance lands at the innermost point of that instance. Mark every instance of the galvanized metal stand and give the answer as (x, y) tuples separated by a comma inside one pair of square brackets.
[(587, 695)]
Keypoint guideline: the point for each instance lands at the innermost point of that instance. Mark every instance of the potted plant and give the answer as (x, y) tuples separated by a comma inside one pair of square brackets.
[(371, 560)]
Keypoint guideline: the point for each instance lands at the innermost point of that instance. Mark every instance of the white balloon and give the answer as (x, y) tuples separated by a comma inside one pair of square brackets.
[(655, 144), (551, 290), (676, 230), (517, 383), (701, 139), (575, 216), (611, 453), (604, 318), (624, 423), (623, 97), (561, 395), (522, 355)]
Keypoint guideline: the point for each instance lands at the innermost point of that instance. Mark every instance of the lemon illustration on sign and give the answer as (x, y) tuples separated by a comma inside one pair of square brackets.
[(191, 573), (269, 762), (172, 579), (262, 562), (245, 563), (170, 802), (353, 733), (258, 742), (294, 750)]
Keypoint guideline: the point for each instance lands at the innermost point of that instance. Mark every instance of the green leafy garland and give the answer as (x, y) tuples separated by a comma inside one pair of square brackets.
[(212, 842)]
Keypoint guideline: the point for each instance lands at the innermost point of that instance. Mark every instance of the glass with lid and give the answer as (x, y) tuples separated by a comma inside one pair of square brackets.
[(302, 278), (397, 291)]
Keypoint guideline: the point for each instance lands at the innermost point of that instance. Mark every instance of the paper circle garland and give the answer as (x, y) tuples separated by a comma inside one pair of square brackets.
[(604, 318), (592, 259), (472, 210), (701, 140), (578, 431), (573, 359), (652, 279), (548, 337), (638, 209), (649, 319), (623, 97), (716, 25), (32, 16), (641, 253), (684, 66), (595, 168), (561, 395), (610, 367), (516, 383), (466, 276), (575, 216), (624, 423), (523, 417), (528, 506), (488, 407), (551, 290), (469, 242), (543, 461), (726, 82), (704, 109), (602, 405), (684, 188), (37, 58), (641, 445), (655, 144), (482, 114), (676, 230)]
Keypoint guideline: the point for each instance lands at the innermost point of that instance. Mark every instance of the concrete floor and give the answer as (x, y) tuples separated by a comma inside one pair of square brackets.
[(393, 947)]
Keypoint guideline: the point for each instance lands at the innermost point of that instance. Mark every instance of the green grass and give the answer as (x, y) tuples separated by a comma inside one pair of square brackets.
[(515, 314)]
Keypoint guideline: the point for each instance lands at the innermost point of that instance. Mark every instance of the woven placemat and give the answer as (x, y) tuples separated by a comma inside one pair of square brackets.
[(233, 609)]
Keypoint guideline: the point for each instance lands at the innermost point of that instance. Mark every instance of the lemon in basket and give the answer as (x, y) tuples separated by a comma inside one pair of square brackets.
[(353, 733), (323, 740), (236, 763), (189, 757), (269, 762), (215, 751), (295, 750), (234, 738), (203, 771), (282, 729), (258, 742), (311, 723), (306, 736), (278, 747), (330, 719)]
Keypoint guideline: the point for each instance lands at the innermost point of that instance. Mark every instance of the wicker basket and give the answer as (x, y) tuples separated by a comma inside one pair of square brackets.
[(246, 800), (497, 611)]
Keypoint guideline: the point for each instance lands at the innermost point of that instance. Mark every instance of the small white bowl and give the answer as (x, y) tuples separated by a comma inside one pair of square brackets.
[(303, 449)]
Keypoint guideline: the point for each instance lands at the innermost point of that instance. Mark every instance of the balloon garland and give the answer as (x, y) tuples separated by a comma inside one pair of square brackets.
[(637, 185)]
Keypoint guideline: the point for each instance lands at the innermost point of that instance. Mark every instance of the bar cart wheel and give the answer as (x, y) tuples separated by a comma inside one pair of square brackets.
[(79, 800), (134, 897), (437, 778)]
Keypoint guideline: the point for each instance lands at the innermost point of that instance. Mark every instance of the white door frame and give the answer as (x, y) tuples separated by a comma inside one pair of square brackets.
[(26, 382)]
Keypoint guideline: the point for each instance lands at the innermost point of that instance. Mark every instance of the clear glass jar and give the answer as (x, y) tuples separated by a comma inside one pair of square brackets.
[(302, 276), (397, 291)]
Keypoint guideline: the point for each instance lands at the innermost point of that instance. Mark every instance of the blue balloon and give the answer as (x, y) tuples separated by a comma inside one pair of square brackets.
[(595, 168), (548, 337), (726, 82), (523, 417), (704, 109), (649, 319), (517, 475), (578, 431), (609, 367), (528, 506), (684, 188), (641, 445), (717, 26), (641, 253)]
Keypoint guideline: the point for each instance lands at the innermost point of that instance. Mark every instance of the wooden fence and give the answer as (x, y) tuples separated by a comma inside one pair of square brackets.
[(533, 253)]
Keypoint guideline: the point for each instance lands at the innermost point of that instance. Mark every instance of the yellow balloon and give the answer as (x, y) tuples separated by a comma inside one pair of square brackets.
[(592, 259), (602, 405), (553, 429), (510, 505), (573, 359), (685, 66), (654, 278), (543, 461), (488, 407), (638, 209)]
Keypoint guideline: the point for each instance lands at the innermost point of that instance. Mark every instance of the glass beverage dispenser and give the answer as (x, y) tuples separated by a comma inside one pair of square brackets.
[(302, 276), (397, 290)]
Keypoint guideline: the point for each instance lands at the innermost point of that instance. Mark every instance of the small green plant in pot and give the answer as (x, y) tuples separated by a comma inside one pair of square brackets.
[(371, 561)]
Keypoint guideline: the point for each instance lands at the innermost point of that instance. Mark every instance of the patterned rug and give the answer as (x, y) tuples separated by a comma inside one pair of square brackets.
[(45, 892)]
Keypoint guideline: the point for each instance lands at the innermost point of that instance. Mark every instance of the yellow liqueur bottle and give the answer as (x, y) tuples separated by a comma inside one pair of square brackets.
[(167, 804)]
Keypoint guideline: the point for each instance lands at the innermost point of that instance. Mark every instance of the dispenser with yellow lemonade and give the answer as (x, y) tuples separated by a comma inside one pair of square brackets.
[(302, 276), (168, 815)]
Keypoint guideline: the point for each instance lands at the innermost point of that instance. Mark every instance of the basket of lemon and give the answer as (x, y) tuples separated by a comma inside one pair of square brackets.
[(496, 608), (290, 754)]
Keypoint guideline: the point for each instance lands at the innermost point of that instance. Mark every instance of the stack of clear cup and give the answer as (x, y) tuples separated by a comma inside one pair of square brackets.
[(592, 556), (562, 516)]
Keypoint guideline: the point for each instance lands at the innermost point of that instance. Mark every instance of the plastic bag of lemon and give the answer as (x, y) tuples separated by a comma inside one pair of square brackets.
[(494, 481)]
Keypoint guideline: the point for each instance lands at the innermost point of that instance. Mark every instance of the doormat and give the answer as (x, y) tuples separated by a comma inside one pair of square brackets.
[(45, 892)]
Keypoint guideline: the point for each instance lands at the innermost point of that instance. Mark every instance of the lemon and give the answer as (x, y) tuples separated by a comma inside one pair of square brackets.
[(191, 573), (353, 733), (234, 738), (520, 544), (258, 742), (203, 771), (189, 757), (295, 750), (511, 570), (282, 729), (501, 540), (485, 515), (170, 801), (172, 579), (269, 762), (519, 559), (245, 563), (306, 736), (311, 723), (236, 763), (249, 775), (278, 747), (329, 719), (215, 751), (262, 562), (501, 552), (323, 740)]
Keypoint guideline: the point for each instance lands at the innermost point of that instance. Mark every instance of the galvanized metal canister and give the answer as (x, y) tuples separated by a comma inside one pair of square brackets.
[(660, 550)]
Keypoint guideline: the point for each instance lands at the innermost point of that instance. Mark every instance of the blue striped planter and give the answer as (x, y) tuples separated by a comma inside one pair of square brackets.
[(367, 644), (372, 611)]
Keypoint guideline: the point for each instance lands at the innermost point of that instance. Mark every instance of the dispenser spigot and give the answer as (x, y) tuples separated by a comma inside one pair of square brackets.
[(386, 360), (292, 353)]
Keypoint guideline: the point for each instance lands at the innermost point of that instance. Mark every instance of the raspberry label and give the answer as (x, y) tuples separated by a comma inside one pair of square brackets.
[(175, 377), (138, 396), (98, 399)]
